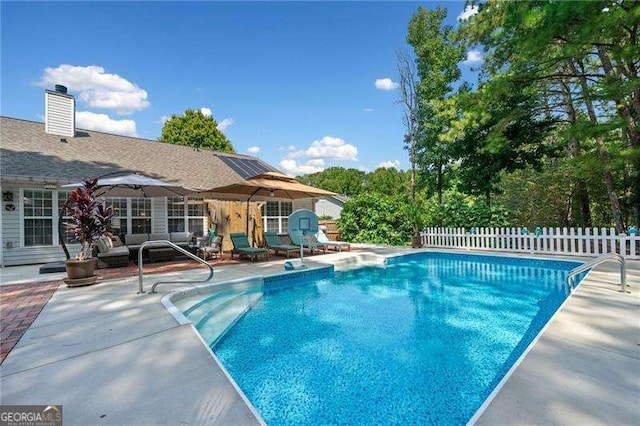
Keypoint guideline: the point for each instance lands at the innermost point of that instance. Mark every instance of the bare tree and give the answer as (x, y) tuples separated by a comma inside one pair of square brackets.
[(409, 100)]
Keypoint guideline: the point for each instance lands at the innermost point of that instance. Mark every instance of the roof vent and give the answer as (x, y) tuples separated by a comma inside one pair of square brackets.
[(59, 112)]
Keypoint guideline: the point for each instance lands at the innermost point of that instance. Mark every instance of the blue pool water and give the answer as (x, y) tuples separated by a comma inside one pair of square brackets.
[(424, 340)]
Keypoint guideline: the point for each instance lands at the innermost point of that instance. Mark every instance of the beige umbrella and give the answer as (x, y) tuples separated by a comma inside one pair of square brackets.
[(270, 184)]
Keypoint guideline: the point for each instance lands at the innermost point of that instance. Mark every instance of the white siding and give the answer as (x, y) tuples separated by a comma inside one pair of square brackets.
[(59, 114), (303, 203), (12, 229), (12, 251), (325, 207)]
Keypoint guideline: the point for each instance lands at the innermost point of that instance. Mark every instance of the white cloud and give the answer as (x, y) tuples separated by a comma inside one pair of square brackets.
[(328, 147), (206, 111), (222, 126), (468, 12), (473, 57), (368, 110), (389, 164), (164, 119), (97, 88), (253, 149), (292, 167), (104, 123), (386, 84)]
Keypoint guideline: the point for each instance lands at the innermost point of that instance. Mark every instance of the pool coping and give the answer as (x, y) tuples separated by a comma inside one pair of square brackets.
[(376, 261), (141, 325)]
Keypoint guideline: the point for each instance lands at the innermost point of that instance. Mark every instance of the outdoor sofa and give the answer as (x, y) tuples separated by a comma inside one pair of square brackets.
[(111, 252), (181, 239)]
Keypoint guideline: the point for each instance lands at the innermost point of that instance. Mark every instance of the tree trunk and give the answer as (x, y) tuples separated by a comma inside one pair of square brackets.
[(631, 114), (439, 182), (581, 194), (603, 155)]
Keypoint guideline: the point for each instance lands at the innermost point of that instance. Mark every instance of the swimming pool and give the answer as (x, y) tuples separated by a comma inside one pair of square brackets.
[(424, 340)]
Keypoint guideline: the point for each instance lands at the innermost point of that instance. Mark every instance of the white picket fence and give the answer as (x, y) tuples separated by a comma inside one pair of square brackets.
[(565, 241)]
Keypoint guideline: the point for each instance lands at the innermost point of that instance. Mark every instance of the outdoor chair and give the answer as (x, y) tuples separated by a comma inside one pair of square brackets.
[(275, 243), (210, 247), (336, 245), (242, 247), (308, 241)]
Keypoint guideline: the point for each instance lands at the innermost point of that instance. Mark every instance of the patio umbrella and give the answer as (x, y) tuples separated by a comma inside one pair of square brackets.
[(127, 185), (270, 184), (135, 185)]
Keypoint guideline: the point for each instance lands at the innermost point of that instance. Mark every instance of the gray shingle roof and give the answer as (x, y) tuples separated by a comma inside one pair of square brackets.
[(26, 150)]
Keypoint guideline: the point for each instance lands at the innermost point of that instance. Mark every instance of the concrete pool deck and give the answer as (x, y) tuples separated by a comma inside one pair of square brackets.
[(110, 356)]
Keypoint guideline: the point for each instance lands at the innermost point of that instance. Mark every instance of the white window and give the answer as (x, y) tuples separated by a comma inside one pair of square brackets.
[(186, 214), (67, 231), (120, 221), (275, 215), (140, 215), (38, 215)]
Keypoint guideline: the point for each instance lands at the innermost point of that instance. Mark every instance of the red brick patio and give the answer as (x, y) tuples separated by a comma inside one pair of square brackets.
[(20, 305)]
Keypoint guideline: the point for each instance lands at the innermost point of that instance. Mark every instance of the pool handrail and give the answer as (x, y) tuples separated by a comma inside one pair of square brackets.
[(165, 243), (597, 261)]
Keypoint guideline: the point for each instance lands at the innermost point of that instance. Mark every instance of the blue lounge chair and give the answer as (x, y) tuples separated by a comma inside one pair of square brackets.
[(309, 241), (242, 247), (275, 243)]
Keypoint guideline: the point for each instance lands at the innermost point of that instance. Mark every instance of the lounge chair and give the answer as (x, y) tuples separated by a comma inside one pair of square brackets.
[(242, 247), (275, 243), (336, 245), (308, 241), (213, 249)]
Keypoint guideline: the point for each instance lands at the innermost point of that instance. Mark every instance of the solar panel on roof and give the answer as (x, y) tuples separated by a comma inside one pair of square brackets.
[(246, 168)]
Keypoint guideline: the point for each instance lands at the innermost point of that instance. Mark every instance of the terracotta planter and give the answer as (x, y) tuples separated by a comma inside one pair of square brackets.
[(80, 272), (416, 241)]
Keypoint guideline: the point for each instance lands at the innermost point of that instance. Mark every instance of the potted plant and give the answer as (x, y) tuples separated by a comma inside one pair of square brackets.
[(414, 214), (90, 220)]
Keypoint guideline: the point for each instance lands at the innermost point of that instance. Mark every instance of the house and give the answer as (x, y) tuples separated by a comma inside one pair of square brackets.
[(331, 206), (37, 158)]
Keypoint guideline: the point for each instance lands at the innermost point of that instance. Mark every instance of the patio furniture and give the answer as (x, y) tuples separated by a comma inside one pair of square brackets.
[(275, 243), (160, 254), (111, 255), (213, 248), (337, 245), (133, 241), (242, 247), (308, 241)]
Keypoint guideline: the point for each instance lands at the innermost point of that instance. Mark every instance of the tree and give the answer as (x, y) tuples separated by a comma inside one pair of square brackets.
[(349, 182), (196, 130), (437, 57), (389, 181), (411, 119), (584, 57)]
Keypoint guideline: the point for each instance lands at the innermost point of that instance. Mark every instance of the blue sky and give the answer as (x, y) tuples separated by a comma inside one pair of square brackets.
[(292, 83)]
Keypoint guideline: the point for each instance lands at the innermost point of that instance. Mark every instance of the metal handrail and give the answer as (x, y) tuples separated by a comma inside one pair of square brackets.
[(164, 243), (597, 261)]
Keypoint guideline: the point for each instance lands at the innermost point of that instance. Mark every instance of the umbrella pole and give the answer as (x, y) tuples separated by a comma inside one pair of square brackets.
[(247, 226), (61, 235)]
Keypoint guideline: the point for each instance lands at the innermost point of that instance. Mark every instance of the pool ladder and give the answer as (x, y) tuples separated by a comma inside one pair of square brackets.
[(165, 243), (597, 261)]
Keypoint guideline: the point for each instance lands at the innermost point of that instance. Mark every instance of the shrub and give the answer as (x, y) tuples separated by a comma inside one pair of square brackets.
[(375, 218)]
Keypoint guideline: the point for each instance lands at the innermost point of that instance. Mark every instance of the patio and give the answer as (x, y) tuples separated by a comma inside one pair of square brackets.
[(112, 357)]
